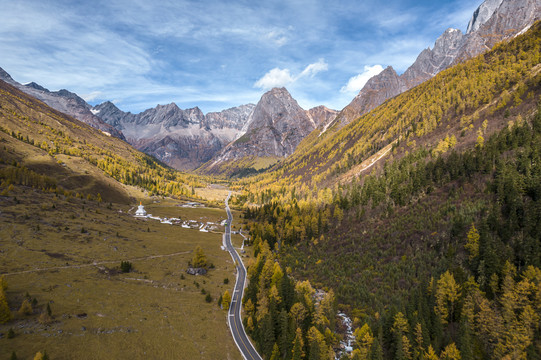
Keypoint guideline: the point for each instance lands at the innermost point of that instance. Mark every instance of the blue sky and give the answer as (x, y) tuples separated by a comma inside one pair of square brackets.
[(217, 54)]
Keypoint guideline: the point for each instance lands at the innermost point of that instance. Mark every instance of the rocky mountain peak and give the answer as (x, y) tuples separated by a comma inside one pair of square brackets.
[(376, 90), (450, 40), (483, 13), (33, 85), (5, 76), (278, 109), (493, 21), (108, 112), (274, 129), (385, 79), (66, 102), (322, 115)]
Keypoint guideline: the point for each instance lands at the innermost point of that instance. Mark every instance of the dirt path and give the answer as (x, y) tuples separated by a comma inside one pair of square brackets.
[(366, 164), (95, 263)]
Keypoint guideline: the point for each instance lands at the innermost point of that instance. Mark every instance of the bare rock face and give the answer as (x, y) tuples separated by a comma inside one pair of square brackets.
[(227, 124), (493, 21), (6, 77), (379, 88), (322, 115), (109, 113), (483, 13), (181, 152), (510, 18), (430, 62), (233, 118), (64, 101), (275, 128), (183, 139)]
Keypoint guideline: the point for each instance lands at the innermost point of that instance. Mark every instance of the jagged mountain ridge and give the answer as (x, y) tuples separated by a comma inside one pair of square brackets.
[(493, 21), (184, 139), (64, 101), (274, 130), (453, 104)]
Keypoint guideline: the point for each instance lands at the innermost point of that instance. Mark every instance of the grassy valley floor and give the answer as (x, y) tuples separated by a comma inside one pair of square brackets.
[(98, 312)]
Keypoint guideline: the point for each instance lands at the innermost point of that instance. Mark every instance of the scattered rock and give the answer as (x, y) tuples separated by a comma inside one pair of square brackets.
[(83, 328), (196, 271)]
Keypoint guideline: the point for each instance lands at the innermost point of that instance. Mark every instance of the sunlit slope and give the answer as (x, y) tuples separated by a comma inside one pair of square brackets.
[(76, 156), (496, 85)]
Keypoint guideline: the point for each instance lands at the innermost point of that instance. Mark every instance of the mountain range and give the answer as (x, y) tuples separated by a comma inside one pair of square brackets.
[(493, 21), (420, 219), (64, 101), (184, 139), (272, 129)]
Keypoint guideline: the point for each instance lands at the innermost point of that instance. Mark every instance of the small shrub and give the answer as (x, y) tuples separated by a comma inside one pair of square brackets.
[(11, 333), (125, 266), (208, 298), (26, 308), (226, 281), (45, 319)]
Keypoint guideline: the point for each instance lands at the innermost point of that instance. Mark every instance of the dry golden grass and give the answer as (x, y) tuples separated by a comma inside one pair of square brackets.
[(156, 311), (213, 193)]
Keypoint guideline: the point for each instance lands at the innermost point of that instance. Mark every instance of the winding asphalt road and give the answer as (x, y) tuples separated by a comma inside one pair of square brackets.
[(234, 317)]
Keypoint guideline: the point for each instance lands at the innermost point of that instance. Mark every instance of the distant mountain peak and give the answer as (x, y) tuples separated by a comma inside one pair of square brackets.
[(275, 128), (184, 139), (33, 85)]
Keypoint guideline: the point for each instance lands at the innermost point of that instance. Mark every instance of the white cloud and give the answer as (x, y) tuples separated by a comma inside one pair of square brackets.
[(274, 78), (357, 82), (92, 96), (313, 69), (282, 77), (277, 37)]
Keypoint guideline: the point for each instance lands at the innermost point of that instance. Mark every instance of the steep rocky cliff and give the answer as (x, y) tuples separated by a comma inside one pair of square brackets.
[(493, 21), (274, 129)]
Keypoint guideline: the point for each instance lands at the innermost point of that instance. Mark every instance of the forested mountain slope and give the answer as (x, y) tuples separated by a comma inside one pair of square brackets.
[(496, 86), (45, 148), (436, 250)]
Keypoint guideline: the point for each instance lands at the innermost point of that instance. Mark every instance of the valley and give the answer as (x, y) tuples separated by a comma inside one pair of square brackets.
[(406, 225)]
